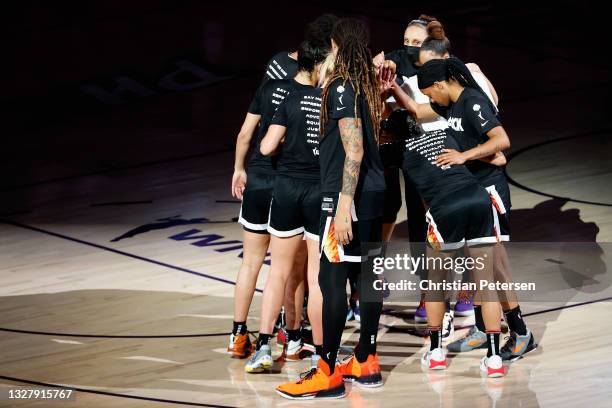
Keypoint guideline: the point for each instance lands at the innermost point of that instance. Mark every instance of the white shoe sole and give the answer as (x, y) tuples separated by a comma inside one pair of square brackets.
[(265, 366), (466, 313), (357, 383), (309, 397)]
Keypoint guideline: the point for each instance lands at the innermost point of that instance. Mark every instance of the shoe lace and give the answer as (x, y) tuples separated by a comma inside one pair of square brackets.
[(447, 321), (510, 341), (472, 333), (307, 375), (345, 360)]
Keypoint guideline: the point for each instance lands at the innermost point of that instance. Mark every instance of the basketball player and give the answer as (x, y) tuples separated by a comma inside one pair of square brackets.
[(391, 153), (429, 40), (294, 212), (261, 171), (352, 185), (459, 214), (256, 196), (474, 124), (284, 64)]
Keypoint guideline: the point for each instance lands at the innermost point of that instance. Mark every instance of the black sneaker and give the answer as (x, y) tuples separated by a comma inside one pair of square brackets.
[(517, 346)]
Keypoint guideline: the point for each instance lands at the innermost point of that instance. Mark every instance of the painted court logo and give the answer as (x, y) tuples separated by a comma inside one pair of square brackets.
[(195, 237)]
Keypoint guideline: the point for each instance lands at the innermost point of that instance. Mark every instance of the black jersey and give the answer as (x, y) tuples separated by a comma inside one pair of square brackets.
[(341, 104), (280, 66), (300, 114), (420, 165), (469, 120), (267, 99)]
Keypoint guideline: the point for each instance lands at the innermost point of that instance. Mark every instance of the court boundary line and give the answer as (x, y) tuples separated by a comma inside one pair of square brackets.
[(515, 183), (111, 336), (554, 309), (112, 394), (119, 252), (118, 395)]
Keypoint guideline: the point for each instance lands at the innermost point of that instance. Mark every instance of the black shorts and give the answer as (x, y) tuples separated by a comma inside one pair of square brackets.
[(367, 234), (392, 154), (256, 198), (497, 185), (393, 195), (463, 217), (295, 208)]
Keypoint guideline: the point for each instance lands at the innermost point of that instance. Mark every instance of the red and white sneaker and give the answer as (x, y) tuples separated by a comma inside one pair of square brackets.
[(281, 337), (492, 366), (434, 359), (297, 350)]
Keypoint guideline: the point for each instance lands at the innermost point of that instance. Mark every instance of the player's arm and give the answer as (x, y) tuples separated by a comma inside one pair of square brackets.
[(498, 159), (272, 140), (243, 142), (422, 111), (351, 133), (475, 68), (498, 141), (492, 89)]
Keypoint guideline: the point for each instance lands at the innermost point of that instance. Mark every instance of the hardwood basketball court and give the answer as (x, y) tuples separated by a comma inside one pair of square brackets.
[(117, 266)]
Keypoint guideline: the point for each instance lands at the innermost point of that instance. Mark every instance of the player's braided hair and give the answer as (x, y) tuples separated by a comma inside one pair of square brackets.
[(354, 65)]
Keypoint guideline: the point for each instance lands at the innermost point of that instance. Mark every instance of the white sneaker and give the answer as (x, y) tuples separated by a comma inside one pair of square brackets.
[(294, 348), (492, 366), (260, 361), (448, 325), (434, 359), (314, 361)]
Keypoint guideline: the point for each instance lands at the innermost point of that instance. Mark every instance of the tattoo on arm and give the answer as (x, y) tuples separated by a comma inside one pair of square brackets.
[(351, 134)]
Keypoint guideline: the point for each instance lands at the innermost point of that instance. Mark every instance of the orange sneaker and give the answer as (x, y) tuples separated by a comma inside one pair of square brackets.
[(317, 383), (242, 346), (366, 374)]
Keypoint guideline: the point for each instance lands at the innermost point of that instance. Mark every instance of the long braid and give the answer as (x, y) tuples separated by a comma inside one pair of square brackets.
[(353, 64), (458, 71)]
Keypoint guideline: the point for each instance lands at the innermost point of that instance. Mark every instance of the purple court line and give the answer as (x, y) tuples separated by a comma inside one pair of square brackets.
[(116, 251)]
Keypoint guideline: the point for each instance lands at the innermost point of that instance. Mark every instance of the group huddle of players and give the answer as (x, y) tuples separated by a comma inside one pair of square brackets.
[(330, 129)]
